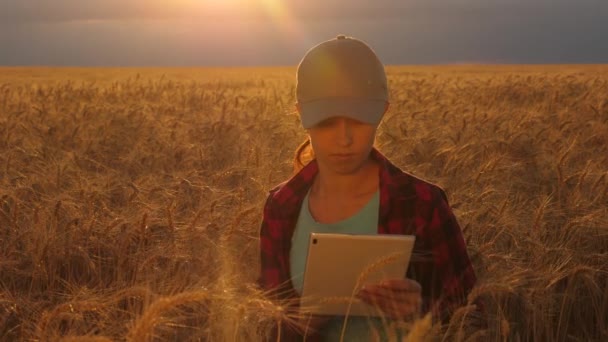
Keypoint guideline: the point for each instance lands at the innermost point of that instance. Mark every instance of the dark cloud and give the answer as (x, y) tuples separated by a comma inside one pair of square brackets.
[(111, 32)]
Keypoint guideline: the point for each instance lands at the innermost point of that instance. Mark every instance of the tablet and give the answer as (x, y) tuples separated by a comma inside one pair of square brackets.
[(338, 265)]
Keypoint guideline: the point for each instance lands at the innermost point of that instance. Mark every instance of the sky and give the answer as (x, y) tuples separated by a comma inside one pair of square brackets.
[(279, 32)]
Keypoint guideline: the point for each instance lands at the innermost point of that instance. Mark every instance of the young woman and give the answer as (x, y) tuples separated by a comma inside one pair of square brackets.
[(351, 187)]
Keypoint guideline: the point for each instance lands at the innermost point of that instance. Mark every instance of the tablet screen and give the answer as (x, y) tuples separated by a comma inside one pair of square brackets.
[(338, 265)]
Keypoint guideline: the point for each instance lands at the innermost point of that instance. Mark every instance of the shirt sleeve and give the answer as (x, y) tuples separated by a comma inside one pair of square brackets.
[(271, 279), (452, 263), (269, 276)]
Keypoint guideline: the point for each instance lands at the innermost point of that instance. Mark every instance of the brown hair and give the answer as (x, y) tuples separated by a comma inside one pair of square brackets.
[(303, 155)]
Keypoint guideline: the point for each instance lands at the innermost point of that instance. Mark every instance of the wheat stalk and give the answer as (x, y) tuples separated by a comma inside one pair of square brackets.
[(142, 328)]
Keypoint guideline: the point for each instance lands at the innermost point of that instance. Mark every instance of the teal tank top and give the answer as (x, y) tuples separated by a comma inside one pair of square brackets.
[(363, 222)]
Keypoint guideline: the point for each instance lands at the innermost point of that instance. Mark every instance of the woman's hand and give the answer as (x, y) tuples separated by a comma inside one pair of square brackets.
[(312, 323), (398, 299)]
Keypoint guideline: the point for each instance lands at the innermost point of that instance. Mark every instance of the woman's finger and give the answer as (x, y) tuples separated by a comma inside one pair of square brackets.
[(403, 312), (377, 293), (403, 285), (392, 308), (392, 305), (390, 293), (389, 298)]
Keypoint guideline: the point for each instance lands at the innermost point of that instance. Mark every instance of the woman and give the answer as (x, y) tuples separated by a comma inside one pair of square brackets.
[(350, 187)]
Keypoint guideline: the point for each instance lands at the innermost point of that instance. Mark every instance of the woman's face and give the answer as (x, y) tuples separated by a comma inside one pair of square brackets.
[(342, 144)]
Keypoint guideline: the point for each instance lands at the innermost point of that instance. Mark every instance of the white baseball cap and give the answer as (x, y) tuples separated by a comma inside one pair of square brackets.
[(341, 76)]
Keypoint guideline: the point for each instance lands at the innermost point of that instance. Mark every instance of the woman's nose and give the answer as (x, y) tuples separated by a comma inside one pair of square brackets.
[(344, 132)]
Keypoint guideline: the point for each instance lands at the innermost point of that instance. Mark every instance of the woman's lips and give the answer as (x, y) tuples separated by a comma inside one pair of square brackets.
[(342, 155)]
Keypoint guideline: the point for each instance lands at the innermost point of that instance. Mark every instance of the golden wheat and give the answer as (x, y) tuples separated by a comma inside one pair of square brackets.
[(135, 196)]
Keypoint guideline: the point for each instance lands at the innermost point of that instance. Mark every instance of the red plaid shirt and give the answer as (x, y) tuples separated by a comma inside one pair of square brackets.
[(408, 205)]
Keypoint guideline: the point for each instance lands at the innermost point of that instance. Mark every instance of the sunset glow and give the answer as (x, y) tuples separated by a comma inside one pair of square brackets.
[(229, 9), (281, 17), (274, 13)]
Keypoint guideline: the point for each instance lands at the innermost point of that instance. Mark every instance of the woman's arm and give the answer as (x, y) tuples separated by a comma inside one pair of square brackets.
[(274, 281), (452, 264), (270, 271)]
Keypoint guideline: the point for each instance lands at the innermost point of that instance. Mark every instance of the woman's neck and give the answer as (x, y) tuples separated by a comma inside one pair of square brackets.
[(330, 184)]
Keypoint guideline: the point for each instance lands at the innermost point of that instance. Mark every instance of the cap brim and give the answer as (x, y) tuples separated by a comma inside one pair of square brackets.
[(368, 111)]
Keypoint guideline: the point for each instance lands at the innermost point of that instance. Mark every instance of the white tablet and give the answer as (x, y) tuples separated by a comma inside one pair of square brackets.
[(338, 265)]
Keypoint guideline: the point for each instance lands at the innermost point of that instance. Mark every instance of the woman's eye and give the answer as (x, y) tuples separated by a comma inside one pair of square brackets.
[(335, 121), (326, 123)]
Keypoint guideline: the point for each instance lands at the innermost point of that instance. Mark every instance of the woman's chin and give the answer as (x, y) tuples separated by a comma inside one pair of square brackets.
[(345, 166)]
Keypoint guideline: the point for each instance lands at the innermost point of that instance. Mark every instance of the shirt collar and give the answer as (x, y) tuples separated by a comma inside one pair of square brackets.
[(295, 189)]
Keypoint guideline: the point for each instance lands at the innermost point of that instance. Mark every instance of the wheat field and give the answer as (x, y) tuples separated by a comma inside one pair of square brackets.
[(130, 199)]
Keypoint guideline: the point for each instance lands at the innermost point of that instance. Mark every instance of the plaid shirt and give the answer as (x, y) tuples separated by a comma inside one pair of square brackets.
[(408, 205)]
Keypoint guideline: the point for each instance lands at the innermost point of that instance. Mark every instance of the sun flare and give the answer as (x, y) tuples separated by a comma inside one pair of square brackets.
[(275, 11), (236, 7)]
